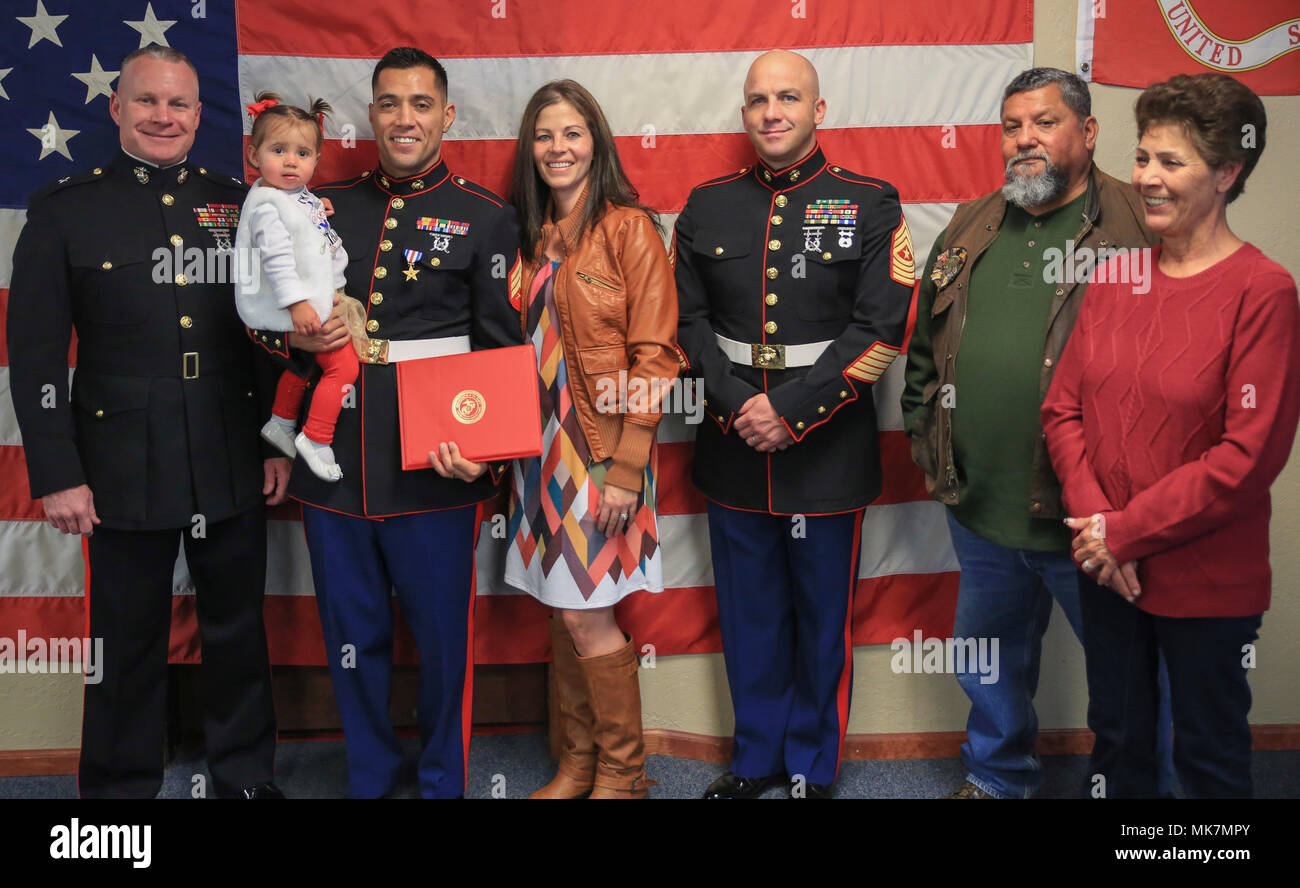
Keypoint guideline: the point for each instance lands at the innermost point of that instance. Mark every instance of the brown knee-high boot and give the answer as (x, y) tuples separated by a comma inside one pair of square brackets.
[(615, 696), (572, 711)]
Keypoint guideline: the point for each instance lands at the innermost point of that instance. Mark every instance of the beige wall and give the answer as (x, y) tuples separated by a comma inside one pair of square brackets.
[(689, 693)]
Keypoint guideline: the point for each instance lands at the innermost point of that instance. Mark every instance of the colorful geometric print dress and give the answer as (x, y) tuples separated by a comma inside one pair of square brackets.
[(556, 554)]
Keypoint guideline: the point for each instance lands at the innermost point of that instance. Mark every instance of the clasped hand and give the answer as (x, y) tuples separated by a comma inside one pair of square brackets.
[(760, 426), (1091, 553)]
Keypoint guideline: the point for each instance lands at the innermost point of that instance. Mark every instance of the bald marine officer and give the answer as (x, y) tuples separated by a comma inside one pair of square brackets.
[(794, 278)]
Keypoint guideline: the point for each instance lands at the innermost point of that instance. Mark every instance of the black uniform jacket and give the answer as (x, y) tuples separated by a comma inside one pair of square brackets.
[(168, 393), (812, 253), (461, 283)]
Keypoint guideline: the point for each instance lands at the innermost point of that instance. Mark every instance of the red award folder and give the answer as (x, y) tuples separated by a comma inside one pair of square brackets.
[(486, 401)]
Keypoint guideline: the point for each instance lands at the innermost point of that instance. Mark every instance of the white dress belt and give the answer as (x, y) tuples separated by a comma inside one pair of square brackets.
[(413, 349), (803, 355), (391, 351)]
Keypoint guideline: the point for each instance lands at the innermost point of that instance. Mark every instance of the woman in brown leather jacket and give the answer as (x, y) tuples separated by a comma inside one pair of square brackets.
[(601, 311)]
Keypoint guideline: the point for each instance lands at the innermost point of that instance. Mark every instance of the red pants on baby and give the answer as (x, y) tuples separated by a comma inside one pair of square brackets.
[(340, 368)]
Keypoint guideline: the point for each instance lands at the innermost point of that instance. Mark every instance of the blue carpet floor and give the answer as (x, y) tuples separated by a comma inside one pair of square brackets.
[(517, 764)]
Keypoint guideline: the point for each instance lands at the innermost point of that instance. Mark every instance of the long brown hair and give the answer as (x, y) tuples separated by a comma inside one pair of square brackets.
[(606, 181)]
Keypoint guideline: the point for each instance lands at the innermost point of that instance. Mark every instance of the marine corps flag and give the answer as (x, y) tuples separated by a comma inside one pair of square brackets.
[(1141, 42)]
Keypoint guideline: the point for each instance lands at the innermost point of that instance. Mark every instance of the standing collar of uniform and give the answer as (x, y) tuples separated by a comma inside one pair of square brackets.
[(795, 174), (430, 178), (133, 169)]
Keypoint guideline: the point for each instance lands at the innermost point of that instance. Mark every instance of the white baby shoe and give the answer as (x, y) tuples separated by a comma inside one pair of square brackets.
[(319, 458), (280, 434)]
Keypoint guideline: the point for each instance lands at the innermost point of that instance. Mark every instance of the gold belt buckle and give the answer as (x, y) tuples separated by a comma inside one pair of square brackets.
[(377, 351), (767, 357), (190, 365)]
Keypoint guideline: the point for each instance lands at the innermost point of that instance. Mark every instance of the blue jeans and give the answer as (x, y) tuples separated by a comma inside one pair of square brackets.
[(1007, 594)]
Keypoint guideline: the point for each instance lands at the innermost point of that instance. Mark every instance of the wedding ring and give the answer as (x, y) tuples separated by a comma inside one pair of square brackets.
[(623, 516), (1087, 564)]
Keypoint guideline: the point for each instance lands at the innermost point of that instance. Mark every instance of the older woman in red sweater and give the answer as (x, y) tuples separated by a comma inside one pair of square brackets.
[(1171, 412)]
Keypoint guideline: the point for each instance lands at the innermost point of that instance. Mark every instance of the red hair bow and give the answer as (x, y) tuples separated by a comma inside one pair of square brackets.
[(259, 107)]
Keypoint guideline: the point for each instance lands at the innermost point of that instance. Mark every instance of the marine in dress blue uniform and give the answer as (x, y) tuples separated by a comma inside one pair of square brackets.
[(435, 258), (793, 283)]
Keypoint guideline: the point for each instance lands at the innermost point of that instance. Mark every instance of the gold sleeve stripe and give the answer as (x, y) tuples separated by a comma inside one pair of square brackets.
[(873, 362), (875, 358), (902, 264), (517, 283)]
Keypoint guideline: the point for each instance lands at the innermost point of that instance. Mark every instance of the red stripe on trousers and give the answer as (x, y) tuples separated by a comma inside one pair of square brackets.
[(845, 688)]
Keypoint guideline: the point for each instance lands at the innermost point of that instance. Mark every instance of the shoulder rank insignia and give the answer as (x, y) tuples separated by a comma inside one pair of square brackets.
[(75, 179), (947, 266), (902, 264)]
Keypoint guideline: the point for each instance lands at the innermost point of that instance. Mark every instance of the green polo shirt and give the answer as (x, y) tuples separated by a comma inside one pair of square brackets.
[(995, 418)]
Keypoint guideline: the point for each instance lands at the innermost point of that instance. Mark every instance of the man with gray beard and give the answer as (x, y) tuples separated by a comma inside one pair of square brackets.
[(979, 439)]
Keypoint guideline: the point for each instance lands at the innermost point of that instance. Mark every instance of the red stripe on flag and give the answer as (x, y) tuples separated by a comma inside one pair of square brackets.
[(16, 503), (45, 616), (678, 495), (4, 339), (903, 481), (913, 159), (502, 28), (512, 628), (289, 510), (892, 607), (676, 621)]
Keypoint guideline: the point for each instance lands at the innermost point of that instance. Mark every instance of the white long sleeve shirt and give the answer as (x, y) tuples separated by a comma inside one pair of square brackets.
[(290, 254)]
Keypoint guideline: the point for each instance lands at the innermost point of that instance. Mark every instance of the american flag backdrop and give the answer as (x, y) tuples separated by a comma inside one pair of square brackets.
[(913, 92)]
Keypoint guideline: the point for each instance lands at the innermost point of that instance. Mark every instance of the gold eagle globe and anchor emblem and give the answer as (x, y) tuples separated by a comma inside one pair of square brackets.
[(468, 406)]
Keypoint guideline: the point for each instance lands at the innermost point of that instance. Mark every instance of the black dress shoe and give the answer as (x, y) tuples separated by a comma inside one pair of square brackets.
[(729, 786), (813, 791), (265, 791)]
